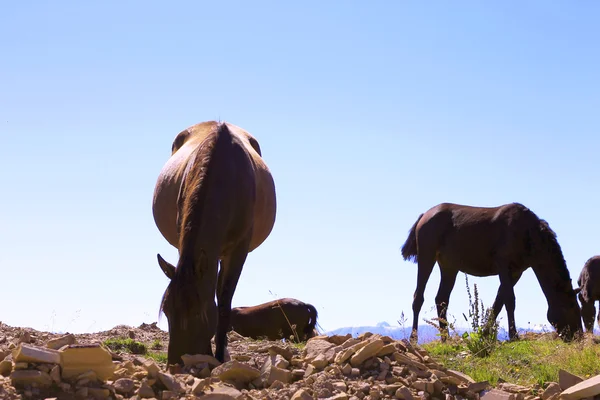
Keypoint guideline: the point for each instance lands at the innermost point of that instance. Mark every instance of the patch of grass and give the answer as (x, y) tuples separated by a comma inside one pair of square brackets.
[(525, 362), (299, 345), (158, 357), (127, 345), (156, 345)]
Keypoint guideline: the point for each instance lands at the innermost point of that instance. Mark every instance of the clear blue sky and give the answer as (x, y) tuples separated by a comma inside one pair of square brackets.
[(367, 113)]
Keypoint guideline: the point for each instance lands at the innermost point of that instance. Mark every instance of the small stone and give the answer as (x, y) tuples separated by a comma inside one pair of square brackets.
[(61, 341), (222, 392), (355, 372), (5, 368), (77, 359), (424, 386), (191, 360), (309, 371), (478, 386), (124, 386), (82, 393), (552, 389), (339, 396), (273, 374), (145, 391), (567, 379), (301, 394), (55, 374), (29, 377), (25, 337), (587, 388), (347, 369), (99, 393), (199, 386), (340, 385), (32, 354), (460, 376), (404, 393), (320, 362), (496, 394), (170, 383), (368, 351), (284, 352), (386, 350), (152, 368), (167, 394), (236, 371), (298, 373), (277, 385)]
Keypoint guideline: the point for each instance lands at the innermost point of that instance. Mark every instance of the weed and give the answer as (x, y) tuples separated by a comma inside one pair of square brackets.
[(483, 337), (156, 345)]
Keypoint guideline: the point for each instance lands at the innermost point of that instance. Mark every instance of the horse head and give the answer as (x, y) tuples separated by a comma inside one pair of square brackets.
[(191, 326)]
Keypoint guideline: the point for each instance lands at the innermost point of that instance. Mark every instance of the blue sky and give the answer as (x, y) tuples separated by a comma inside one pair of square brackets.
[(367, 113)]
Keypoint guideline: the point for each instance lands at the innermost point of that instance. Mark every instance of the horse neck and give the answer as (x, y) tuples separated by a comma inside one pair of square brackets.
[(552, 274)]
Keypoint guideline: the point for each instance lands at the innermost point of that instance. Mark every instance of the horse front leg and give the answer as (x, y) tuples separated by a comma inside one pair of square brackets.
[(499, 302), (588, 312), (229, 274), (508, 294)]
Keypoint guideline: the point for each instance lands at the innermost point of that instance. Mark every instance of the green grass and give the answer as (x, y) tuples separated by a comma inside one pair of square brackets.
[(158, 357), (525, 362), (128, 345)]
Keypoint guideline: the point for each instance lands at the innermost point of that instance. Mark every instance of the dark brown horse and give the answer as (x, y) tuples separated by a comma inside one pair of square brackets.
[(214, 201), (589, 291), (275, 320), (485, 241)]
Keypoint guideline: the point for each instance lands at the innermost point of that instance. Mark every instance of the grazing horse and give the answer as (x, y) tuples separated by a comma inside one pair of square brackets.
[(214, 201), (486, 241), (589, 291), (275, 320)]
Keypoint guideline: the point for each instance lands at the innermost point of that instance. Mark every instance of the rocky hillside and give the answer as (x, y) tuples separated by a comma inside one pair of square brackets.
[(40, 365)]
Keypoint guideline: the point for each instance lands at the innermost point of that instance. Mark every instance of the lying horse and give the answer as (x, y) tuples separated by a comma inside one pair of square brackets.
[(486, 241), (275, 320), (214, 201), (589, 291)]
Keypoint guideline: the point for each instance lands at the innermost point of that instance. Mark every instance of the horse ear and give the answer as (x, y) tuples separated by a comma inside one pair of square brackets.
[(166, 267)]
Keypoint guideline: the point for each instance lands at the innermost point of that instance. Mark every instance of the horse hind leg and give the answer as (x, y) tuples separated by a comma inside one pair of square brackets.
[(229, 274), (425, 267), (447, 281)]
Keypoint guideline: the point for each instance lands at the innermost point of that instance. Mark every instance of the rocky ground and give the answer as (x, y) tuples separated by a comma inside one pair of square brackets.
[(40, 365)]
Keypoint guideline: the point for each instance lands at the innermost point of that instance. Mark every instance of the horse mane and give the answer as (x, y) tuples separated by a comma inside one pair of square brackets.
[(550, 246), (191, 203)]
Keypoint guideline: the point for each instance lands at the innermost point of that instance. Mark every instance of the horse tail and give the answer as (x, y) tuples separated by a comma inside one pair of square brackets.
[(218, 159), (312, 321), (409, 249)]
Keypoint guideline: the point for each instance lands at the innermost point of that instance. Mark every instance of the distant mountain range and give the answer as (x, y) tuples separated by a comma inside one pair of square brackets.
[(427, 333)]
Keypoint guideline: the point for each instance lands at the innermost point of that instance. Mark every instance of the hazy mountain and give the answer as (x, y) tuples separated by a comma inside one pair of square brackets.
[(427, 333)]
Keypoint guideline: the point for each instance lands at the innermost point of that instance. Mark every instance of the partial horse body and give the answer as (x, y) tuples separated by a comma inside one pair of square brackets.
[(486, 241), (589, 291), (214, 201), (275, 320)]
